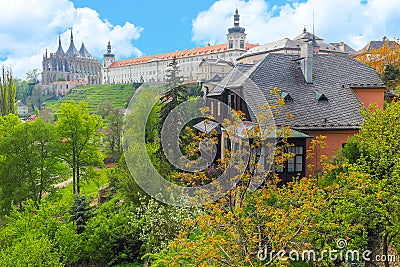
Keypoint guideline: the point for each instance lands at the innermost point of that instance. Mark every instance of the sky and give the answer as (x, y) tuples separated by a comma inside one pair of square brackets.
[(138, 28)]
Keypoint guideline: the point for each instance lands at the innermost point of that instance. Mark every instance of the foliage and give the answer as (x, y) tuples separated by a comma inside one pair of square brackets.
[(112, 235), (7, 93), (81, 139), (30, 160), (81, 212), (374, 152), (114, 120), (36, 99), (385, 60), (38, 237)]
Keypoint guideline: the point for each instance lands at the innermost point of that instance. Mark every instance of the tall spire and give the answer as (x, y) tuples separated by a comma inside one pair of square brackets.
[(72, 51), (60, 50), (109, 48), (236, 18)]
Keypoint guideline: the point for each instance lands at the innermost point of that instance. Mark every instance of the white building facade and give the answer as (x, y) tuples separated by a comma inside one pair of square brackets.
[(153, 68)]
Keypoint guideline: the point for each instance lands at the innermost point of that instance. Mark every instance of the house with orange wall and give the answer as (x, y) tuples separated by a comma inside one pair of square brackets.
[(324, 93)]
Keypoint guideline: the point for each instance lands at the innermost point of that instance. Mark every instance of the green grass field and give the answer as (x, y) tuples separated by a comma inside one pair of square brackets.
[(117, 94)]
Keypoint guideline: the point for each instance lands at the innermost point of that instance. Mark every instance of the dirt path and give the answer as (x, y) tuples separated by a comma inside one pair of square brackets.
[(63, 184)]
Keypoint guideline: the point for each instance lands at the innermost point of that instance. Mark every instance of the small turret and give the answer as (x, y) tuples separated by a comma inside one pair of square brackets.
[(109, 57)]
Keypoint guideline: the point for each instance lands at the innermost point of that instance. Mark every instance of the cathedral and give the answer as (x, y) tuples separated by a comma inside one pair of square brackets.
[(63, 71)]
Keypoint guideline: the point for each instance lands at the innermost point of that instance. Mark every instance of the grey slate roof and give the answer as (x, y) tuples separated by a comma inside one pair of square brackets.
[(83, 52), (60, 50), (333, 76), (376, 45), (233, 79)]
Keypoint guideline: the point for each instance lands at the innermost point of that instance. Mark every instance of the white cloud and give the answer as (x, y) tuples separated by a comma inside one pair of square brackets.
[(27, 28), (335, 20)]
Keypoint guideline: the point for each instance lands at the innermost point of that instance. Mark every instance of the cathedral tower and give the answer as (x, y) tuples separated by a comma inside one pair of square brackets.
[(108, 58), (236, 37)]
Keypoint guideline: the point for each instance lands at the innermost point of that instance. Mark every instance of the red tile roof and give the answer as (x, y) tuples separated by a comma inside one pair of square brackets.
[(32, 117), (210, 49)]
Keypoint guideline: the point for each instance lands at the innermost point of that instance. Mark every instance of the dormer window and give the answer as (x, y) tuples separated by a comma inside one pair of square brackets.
[(286, 97), (320, 97)]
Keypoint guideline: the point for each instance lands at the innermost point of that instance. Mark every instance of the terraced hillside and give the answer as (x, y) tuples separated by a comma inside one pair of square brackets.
[(117, 94)]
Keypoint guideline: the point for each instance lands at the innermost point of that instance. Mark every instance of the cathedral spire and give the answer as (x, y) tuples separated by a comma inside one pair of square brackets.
[(60, 50), (72, 51)]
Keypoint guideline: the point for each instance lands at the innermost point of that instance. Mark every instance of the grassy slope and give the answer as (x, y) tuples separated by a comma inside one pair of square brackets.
[(118, 94)]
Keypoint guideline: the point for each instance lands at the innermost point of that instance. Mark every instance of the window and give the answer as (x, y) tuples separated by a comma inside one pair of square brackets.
[(295, 164), (219, 108), (212, 108), (230, 44), (241, 44), (231, 101)]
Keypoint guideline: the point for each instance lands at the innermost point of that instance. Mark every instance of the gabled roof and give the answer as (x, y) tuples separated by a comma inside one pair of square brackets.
[(215, 61), (334, 75), (83, 51), (234, 79), (199, 51), (376, 45)]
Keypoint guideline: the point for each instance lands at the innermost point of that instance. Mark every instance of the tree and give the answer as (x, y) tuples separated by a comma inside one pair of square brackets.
[(81, 212), (374, 154), (22, 90), (115, 120), (7, 93), (30, 162), (81, 138), (32, 76), (385, 60), (37, 98), (391, 76), (174, 95)]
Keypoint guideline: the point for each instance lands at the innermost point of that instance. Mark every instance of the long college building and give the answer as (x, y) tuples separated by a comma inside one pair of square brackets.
[(153, 68)]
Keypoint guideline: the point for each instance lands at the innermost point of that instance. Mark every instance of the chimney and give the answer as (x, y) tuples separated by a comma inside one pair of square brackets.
[(306, 54)]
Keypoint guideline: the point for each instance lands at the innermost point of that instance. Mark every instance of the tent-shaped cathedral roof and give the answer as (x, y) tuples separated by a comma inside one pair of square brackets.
[(60, 50), (83, 51), (72, 51)]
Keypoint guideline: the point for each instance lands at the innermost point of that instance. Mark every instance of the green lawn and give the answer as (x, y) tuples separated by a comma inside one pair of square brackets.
[(117, 94)]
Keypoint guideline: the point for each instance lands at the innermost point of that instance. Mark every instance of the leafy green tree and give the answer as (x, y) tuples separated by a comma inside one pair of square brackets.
[(32, 76), (22, 90), (36, 99), (81, 139), (30, 162), (391, 76), (7, 93), (375, 151), (114, 121)]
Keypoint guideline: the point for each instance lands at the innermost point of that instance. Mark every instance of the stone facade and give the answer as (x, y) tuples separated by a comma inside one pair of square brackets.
[(64, 70)]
